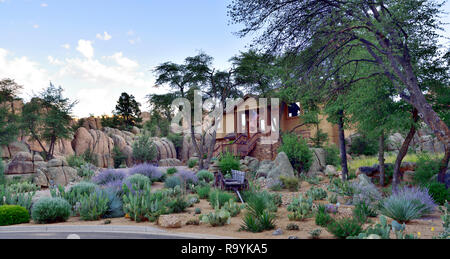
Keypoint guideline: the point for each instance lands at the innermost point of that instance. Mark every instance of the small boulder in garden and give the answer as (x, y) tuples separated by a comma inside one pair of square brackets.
[(169, 221)]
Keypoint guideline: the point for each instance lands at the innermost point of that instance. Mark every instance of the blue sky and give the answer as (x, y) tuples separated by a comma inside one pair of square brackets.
[(97, 49)]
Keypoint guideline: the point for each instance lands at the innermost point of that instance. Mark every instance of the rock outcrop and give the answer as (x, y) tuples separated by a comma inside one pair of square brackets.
[(97, 142), (44, 174)]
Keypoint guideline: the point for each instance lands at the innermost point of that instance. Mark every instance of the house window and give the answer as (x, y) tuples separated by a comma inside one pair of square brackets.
[(294, 110), (263, 125)]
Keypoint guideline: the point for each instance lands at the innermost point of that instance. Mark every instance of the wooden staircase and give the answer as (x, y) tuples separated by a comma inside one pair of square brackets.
[(240, 147)]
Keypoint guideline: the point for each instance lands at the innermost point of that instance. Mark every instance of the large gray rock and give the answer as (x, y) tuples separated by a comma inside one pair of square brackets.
[(281, 167), (252, 163), (264, 168), (395, 141)]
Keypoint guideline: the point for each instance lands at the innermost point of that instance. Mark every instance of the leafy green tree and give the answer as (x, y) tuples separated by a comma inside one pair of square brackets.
[(9, 129), (47, 118), (297, 151), (389, 33), (144, 149), (128, 109)]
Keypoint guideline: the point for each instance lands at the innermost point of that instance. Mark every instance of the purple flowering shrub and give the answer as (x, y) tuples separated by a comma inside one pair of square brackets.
[(151, 171), (187, 176), (110, 176), (408, 204)]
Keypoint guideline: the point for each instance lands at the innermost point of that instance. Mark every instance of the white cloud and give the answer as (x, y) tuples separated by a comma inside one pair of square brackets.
[(54, 61), (123, 61), (105, 36), (66, 46), (85, 48), (24, 71), (36, 26), (134, 41), (44, 5)]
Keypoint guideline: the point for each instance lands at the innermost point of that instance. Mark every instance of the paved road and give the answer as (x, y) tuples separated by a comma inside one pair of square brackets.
[(63, 235)]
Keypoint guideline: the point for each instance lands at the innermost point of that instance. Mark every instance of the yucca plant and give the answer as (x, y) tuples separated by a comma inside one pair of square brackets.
[(258, 217)]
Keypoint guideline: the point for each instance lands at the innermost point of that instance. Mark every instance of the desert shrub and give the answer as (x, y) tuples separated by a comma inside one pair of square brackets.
[(177, 205), (322, 217), (408, 204), (205, 175), (217, 198), (108, 176), (332, 155), (233, 207), (172, 181), (50, 210), (301, 208), (228, 162), (219, 217), (316, 194), (137, 182), (315, 233), (297, 151), (144, 150), (13, 214), (292, 226), (115, 205), (203, 191), (172, 171), (258, 218), (345, 227), (151, 171), (93, 206), (332, 198), (366, 195), (86, 170), (290, 183), (187, 177), (192, 162), (362, 145), (439, 192), (75, 161), (426, 168), (275, 185)]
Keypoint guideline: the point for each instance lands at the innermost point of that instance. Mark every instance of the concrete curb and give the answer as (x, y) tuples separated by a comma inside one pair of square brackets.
[(105, 229)]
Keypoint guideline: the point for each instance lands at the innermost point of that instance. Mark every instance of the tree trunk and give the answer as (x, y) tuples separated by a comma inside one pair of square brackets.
[(381, 159), (342, 147), (403, 151), (444, 166), (212, 145)]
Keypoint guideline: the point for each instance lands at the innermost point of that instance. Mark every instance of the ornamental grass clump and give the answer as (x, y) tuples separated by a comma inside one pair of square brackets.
[(219, 198), (205, 176), (151, 171), (408, 204), (345, 227)]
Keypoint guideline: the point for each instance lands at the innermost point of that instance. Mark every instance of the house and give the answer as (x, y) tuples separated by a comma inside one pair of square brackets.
[(252, 128)]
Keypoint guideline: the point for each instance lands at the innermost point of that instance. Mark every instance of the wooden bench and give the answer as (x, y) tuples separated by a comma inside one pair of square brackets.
[(238, 182)]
